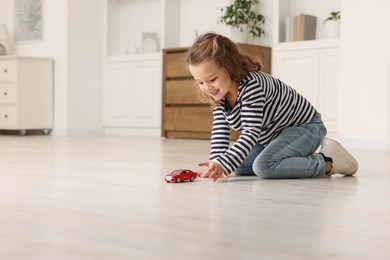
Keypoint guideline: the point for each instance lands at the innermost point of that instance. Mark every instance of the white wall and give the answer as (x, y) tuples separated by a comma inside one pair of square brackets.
[(85, 66), (365, 66)]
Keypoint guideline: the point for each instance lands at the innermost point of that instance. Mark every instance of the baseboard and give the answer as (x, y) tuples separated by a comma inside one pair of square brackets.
[(86, 131), (144, 132), (119, 131), (67, 132), (364, 144), (59, 132)]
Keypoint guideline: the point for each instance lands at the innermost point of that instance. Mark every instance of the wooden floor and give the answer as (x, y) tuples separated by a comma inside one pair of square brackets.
[(105, 198)]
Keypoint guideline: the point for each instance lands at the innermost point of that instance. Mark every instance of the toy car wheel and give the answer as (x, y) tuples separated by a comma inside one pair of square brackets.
[(192, 178), (178, 180)]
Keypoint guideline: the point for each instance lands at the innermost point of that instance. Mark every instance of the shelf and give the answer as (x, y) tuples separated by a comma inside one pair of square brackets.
[(127, 20), (320, 9), (303, 45)]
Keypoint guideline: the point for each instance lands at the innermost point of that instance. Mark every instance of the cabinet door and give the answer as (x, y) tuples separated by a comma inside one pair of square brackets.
[(329, 78), (116, 95), (299, 69), (146, 93), (132, 94)]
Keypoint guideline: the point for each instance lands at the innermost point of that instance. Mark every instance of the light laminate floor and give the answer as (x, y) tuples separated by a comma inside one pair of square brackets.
[(105, 198)]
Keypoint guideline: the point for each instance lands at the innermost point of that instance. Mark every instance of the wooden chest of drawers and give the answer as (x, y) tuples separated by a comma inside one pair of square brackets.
[(183, 115)]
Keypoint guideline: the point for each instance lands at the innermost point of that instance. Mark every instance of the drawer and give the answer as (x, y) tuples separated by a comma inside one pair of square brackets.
[(7, 116), (7, 93), (194, 119), (8, 71), (181, 92), (176, 65)]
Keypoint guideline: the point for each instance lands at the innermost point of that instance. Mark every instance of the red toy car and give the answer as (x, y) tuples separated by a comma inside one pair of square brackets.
[(180, 175)]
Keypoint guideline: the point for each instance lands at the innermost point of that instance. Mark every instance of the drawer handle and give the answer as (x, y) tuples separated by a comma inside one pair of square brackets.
[(5, 116), (5, 70), (5, 93)]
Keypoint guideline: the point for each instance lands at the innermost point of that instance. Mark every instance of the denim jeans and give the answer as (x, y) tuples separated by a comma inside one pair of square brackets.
[(289, 155)]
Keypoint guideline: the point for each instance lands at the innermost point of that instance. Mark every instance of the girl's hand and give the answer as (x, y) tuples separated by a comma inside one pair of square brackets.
[(201, 173), (213, 172)]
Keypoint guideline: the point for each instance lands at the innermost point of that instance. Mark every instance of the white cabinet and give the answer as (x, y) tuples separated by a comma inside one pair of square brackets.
[(26, 93), (299, 69), (132, 69), (132, 95), (313, 70)]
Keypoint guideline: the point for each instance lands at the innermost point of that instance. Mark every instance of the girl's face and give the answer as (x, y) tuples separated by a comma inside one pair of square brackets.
[(214, 81)]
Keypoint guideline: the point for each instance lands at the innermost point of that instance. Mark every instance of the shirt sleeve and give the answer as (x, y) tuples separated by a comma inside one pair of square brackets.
[(220, 135), (251, 116)]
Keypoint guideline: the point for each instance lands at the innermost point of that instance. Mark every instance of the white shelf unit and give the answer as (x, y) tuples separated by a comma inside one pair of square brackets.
[(132, 78), (127, 20), (285, 8)]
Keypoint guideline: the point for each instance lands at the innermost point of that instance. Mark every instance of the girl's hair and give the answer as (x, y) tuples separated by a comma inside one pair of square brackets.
[(221, 50)]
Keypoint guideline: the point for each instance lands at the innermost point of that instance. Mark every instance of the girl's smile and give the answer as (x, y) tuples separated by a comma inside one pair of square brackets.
[(214, 92)]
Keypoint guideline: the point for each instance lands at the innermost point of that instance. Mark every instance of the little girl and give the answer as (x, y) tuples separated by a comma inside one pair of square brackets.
[(279, 129)]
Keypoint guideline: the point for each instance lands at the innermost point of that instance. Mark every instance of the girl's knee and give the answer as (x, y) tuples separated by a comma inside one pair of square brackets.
[(264, 170)]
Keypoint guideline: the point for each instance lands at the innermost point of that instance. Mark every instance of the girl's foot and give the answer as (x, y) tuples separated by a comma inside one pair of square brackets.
[(342, 161)]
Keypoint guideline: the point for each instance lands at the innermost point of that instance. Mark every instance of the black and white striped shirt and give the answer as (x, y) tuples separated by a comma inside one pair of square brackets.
[(264, 107)]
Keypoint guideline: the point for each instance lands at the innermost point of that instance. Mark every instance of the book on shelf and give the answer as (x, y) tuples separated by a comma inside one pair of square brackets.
[(301, 27)]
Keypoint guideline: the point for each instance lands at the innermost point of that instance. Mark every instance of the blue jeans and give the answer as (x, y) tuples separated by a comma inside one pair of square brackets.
[(289, 155)]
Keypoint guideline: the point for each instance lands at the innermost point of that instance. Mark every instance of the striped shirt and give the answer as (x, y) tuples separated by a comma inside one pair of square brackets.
[(264, 107)]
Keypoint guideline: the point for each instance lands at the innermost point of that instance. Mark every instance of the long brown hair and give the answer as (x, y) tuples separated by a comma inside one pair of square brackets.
[(224, 52)]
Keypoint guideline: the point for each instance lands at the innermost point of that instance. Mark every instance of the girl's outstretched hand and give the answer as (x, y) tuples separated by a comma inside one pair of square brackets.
[(213, 172)]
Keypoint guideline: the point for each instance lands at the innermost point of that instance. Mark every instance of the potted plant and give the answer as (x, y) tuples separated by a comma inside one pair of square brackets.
[(243, 19), (332, 24)]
